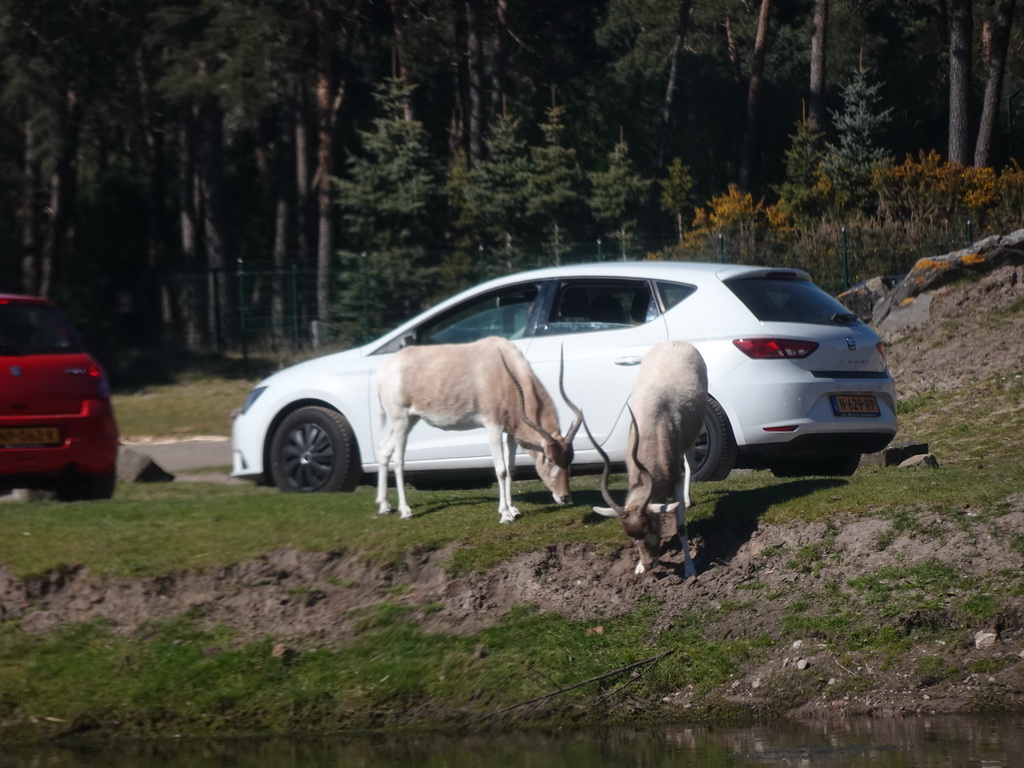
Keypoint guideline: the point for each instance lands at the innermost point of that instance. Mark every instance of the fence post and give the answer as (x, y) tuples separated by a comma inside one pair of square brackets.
[(600, 257), (846, 257), (970, 232), (480, 262), (721, 249), (294, 324), (365, 263), (241, 318)]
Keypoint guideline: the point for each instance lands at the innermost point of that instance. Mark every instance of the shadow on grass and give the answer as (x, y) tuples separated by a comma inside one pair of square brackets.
[(737, 513)]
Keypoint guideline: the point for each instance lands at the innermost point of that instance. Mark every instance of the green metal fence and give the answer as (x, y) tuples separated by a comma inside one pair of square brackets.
[(252, 310)]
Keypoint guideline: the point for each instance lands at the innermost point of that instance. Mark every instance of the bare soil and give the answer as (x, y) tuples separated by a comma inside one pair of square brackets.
[(304, 599)]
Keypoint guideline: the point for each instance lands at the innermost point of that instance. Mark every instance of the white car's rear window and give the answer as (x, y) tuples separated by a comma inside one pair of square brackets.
[(789, 300)]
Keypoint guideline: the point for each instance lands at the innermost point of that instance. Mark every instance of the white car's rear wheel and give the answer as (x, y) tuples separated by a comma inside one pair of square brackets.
[(716, 445)]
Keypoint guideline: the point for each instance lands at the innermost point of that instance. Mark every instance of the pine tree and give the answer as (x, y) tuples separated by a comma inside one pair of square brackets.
[(800, 195), (676, 193), (553, 185), (617, 197), (494, 200), (389, 199), (847, 167)]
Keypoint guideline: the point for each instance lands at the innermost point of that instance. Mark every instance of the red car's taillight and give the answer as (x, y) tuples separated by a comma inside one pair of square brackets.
[(100, 379), (774, 349)]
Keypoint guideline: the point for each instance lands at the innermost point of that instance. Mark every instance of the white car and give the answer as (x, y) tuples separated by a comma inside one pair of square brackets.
[(797, 383)]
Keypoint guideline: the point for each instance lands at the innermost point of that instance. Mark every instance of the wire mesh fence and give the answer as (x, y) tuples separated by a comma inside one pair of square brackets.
[(249, 310)]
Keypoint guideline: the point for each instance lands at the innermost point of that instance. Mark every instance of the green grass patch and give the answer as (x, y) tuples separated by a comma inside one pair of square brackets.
[(193, 407), (175, 676)]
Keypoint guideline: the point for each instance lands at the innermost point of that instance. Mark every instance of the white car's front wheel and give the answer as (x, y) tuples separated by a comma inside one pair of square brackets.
[(313, 450)]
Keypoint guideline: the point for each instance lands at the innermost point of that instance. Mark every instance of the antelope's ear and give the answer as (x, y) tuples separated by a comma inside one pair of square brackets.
[(606, 512), (660, 509)]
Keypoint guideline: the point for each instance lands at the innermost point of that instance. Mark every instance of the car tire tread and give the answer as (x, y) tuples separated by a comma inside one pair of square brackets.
[(343, 472), (720, 456)]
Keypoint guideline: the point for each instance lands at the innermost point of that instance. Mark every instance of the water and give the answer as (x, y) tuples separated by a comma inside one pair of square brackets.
[(880, 743)]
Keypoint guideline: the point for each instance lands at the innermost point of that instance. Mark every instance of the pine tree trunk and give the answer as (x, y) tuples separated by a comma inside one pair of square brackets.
[(190, 307), (1000, 43), (63, 193), (682, 24), (304, 235), (28, 210), (500, 59), (474, 82), (215, 225), (961, 28), (282, 234), (819, 45), (400, 68), (327, 94), (754, 98)]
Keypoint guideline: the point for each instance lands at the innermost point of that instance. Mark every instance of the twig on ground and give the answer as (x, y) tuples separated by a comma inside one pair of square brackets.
[(580, 684)]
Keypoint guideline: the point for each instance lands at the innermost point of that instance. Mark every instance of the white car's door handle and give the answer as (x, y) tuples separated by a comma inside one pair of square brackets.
[(629, 360)]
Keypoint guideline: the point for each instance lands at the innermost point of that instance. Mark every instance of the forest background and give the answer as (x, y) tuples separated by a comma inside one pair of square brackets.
[(205, 175)]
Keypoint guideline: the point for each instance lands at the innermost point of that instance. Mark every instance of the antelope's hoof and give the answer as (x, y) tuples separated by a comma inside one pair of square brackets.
[(510, 515)]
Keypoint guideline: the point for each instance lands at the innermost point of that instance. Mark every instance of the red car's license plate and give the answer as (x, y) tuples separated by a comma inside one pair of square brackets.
[(29, 436), (855, 405)]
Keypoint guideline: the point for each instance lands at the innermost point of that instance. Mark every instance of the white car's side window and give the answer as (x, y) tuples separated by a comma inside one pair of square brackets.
[(502, 313), (583, 306)]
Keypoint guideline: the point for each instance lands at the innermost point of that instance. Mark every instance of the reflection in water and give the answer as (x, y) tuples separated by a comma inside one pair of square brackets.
[(882, 743)]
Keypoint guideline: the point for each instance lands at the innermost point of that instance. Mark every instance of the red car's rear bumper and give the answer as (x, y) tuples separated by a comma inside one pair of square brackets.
[(89, 445)]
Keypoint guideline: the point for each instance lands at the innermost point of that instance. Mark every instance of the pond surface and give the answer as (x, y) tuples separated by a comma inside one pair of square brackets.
[(883, 743)]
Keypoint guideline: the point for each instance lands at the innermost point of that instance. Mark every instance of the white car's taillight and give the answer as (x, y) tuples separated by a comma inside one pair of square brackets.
[(774, 349)]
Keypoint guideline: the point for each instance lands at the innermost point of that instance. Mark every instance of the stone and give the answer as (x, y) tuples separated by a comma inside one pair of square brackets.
[(922, 460), (984, 638), (136, 467), (894, 454)]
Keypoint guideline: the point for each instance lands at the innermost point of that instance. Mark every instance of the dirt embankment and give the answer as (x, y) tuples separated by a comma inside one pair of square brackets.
[(303, 599)]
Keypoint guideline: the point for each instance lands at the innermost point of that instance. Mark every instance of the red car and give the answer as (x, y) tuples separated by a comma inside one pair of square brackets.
[(57, 427)]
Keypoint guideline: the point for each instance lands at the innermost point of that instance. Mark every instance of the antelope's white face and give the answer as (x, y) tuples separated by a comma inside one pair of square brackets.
[(552, 465)]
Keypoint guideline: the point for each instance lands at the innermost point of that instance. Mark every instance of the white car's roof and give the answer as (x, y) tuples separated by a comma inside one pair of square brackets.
[(648, 270)]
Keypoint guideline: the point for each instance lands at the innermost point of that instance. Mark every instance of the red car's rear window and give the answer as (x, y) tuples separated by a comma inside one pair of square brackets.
[(35, 329)]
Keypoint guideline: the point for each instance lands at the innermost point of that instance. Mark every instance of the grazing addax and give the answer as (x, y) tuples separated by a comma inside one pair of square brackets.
[(486, 383), (668, 403)]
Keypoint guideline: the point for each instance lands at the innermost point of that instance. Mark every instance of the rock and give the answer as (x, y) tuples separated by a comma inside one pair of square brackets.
[(901, 308), (922, 460), (136, 467), (862, 298), (893, 454), (26, 494), (984, 638), (803, 664)]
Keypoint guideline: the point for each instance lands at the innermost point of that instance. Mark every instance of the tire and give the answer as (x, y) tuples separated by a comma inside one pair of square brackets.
[(841, 466), (87, 487), (716, 445), (314, 451)]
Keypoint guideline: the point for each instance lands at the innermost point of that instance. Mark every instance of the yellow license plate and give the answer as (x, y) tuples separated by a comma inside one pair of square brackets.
[(29, 436), (855, 405)]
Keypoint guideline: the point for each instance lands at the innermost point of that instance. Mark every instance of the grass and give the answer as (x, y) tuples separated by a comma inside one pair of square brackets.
[(150, 529), (176, 676), (196, 407)]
